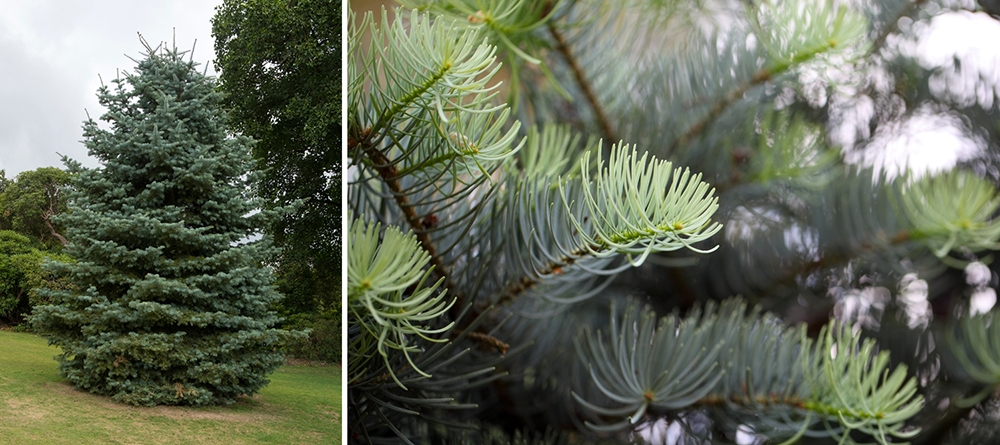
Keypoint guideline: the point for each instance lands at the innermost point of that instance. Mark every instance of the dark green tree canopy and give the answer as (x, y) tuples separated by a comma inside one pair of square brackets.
[(28, 203), (22, 276), (280, 63), (172, 304), (14, 248), (280, 67), (4, 181)]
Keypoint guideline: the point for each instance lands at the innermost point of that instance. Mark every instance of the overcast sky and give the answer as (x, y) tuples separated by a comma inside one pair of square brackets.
[(51, 53)]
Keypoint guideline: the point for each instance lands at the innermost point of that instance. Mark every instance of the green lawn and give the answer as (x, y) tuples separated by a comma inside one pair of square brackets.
[(302, 405)]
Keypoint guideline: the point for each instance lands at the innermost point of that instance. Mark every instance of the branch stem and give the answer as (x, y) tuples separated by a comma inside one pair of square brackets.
[(527, 282), (765, 74), (390, 176), (758, 78), (607, 132)]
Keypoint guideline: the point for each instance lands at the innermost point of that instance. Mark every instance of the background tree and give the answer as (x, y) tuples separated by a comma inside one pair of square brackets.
[(172, 304), (22, 276), (30, 237), (280, 64), (4, 182), (28, 204), (487, 238)]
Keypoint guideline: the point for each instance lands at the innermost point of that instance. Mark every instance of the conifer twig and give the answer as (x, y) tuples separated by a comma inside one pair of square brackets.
[(388, 172), (527, 282), (607, 132), (758, 78), (489, 341), (764, 75)]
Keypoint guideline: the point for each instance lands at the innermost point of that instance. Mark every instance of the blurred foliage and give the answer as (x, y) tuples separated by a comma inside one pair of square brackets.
[(828, 168), (323, 342), (311, 302)]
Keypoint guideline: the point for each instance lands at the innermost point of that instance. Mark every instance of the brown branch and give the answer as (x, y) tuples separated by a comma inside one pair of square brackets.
[(602, 119), (489, 342), (510, 294), (48, 223), (388, 173), (527, 282), (52, 230), (764, 75), (758, 78)]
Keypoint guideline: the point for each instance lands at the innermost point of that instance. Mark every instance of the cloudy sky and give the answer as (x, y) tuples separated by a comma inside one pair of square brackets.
[(51, 53)]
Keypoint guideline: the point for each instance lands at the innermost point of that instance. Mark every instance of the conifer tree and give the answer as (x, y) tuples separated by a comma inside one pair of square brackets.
[(667, 222), (172, 304)]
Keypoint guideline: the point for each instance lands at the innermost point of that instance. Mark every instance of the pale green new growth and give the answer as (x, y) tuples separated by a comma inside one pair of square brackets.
[(379, 273), (504, 20), (953, 210), (639, 208), (851, 384), (792, 34), (977, 349), (793, 150), (430, 66)]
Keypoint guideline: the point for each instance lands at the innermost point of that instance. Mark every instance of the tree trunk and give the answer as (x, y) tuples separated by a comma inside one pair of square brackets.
[(52, 230)]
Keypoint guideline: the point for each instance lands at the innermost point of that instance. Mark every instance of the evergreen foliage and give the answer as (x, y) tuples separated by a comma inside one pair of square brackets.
[(520, 172), (171, 303)]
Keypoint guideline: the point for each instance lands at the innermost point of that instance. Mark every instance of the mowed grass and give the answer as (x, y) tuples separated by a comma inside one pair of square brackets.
[(300, 406)]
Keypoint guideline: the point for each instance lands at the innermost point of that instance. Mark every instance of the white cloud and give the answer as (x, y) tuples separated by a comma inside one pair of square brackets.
[(53, 52)]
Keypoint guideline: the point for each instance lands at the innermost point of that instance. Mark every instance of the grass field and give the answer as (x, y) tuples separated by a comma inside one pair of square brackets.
[(300, 406)]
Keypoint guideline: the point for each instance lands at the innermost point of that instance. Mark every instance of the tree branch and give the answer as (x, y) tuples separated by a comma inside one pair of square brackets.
[(764, 75), (388, 173), (48, 223), (607, 132), (758, 78), (527, 282)]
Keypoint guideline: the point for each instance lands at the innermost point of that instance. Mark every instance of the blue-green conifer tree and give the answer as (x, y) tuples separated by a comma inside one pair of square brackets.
[(172, 304)]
